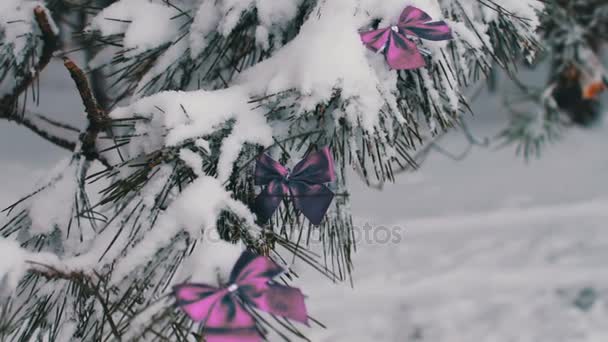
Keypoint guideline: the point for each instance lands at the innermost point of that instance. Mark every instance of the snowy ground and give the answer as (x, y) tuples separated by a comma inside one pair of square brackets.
[(491, 250)]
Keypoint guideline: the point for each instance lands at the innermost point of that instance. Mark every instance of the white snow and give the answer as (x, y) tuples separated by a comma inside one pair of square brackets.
[(16, 20), (12, 265), (206, 20), (491, 249), (204, 144), (52, 207), (495, 276), (326, 55), (16, 261), (146, 25), (205, 111), (195, 211), (18, 28), (270, 12), (192, 160), (212, 258)]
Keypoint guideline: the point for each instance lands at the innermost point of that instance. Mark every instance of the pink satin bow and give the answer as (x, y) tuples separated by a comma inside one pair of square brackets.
[(225, 311), (401, 52)]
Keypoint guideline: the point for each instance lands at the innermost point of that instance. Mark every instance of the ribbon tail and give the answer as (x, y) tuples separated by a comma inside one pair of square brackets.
[(403, 53), (283, 301), (435, 31), (232, 335), (312, 200), (229, 314), (197, 300)]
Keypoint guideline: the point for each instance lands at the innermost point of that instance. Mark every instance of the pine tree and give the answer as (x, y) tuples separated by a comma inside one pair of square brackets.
[(573, 34), (160, 184)]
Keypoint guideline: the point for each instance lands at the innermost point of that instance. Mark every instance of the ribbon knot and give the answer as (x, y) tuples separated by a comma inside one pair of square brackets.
[(401, 51), (288, 175), (226, 312), (304, 185)]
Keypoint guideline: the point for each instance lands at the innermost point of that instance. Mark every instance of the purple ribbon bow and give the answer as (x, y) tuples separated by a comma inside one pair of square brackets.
[(401, 52), (304, 184), (224, 310)]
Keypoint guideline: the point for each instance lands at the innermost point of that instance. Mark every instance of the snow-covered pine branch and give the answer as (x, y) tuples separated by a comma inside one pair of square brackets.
[(16, 262), (25, 29), (28, 39), (204, 86), (318, 64)]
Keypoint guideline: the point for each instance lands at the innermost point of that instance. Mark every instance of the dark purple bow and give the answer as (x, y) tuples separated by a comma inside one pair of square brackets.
[(223, 310), (304, 184), (401, 52)]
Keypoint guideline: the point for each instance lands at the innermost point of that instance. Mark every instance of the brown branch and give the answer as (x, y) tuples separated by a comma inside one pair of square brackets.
[(37, 123), (99, 120), (48, 36), (50, 42), (97, 117), (60, 141), (52, 273), (60, 134)]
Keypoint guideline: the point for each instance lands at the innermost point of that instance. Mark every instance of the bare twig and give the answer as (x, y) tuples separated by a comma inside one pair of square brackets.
[(60, 134), (99, 120), (49, 37), (97, 117), (52, 273)]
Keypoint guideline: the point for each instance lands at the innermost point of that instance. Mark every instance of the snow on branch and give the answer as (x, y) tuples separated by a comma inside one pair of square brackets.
[(322, 61), (53, 211), (321, 85), (204, 87), (193, 43), (16, 261), (200, 221), (60, 134), (174, 118), (99, 121), (28, 39)]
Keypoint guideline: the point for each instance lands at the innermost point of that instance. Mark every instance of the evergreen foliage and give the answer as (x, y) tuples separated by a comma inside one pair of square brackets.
[(180, 97)]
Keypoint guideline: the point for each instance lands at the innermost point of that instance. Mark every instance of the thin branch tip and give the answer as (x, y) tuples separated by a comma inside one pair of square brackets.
[(99, 119), (96, 115)]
